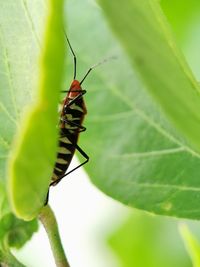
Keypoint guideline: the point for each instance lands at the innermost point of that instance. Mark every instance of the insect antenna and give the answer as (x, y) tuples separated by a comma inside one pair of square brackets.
[(96, 65), (72, 51)]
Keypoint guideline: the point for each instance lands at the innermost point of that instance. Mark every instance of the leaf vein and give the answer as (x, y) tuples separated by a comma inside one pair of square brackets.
[(154, 124), (151, 153), (10, 79), (4, 142), (28, 15), (5, 110), (156, 185)]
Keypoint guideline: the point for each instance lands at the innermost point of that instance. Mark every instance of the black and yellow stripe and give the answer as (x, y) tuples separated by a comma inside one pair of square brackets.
[(70, 124)]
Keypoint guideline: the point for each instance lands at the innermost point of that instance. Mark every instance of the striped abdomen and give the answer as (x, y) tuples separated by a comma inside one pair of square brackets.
[(70, 126)]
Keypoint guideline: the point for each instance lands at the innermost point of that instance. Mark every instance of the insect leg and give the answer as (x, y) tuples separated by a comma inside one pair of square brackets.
[(82, 128), (82, 92), (47, 198), (83, 154), (67, 91)]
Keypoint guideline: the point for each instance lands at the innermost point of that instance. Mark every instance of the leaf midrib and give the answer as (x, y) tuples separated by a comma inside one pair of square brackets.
[(156, 185)]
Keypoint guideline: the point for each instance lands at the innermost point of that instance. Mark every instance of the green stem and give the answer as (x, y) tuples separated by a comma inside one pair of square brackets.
[(49, 222)]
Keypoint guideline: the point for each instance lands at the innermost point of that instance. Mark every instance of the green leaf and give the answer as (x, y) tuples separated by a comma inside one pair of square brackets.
[(13, 232), (181, 20), (7, 259), (153, 51), (4, 207), (186, 28), (191, 244), (145, 240), (136, 155), (19, 47), (35, 146), (16, 232)]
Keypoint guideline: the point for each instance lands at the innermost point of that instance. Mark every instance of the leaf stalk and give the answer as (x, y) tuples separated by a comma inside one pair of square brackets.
[(49, 222)]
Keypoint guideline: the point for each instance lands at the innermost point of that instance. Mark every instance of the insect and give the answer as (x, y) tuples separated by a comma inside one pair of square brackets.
[(71, 120), (70, 125)]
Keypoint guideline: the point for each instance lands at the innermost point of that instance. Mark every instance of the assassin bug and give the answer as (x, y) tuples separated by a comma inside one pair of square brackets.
[(71, 119), (70, 124)]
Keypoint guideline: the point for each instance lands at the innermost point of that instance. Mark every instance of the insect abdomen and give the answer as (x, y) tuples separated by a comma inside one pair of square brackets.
[(65, 153), (70, 123)]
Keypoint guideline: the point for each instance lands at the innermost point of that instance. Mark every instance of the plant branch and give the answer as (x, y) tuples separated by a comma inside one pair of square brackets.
[(48, 220)]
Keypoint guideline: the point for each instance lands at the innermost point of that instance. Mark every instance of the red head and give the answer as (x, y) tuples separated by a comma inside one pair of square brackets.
[(74, 89)]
